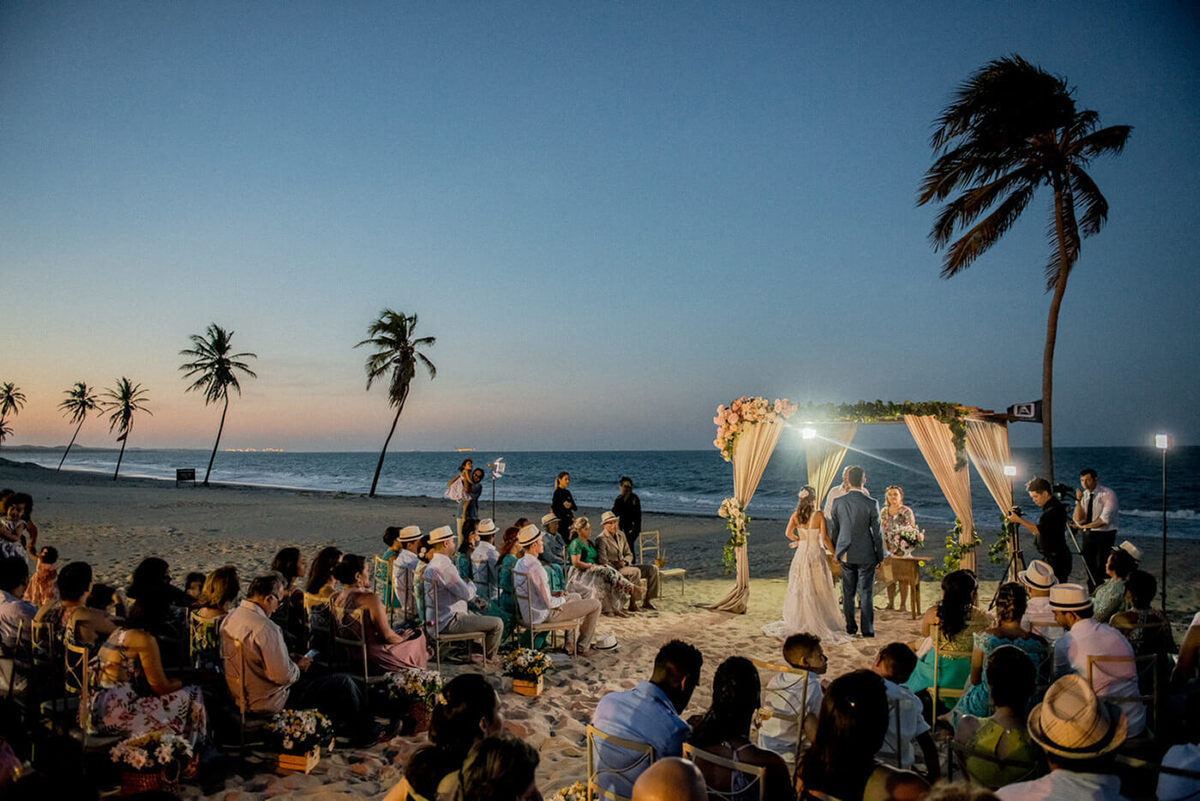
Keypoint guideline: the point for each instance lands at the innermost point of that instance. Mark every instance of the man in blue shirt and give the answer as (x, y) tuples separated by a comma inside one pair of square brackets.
[(649, 713)]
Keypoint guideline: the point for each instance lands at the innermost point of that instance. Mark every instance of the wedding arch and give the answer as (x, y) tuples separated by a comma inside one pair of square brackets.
[(947, 435)]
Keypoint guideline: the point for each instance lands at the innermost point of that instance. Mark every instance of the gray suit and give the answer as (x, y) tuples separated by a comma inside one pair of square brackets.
[(853, 526)]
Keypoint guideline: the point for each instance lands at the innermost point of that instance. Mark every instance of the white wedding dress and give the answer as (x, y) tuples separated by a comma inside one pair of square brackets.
[(809, 605)]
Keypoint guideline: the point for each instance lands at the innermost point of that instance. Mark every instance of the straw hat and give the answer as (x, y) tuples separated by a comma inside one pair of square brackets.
[(1069, 598), (1131, 549), (1072, 722), (486, 527), (528, 535), (608, 517), (548, 518), (441, 534), (409, 533), (1039, 575)]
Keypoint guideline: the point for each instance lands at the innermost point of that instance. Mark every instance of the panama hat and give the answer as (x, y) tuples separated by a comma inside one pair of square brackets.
[(608, 517), (1072, 722), (548, 518), (409, 533), (1069, 598), (605, 641), (486, 527), (1039, 575), (528, 535), (440, 534), (1131, 549)]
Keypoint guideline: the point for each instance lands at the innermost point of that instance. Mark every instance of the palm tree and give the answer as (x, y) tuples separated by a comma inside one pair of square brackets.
[(122, 402), (396, 353), (1011, 129), (11, 401), (81, 399), (217, 369)]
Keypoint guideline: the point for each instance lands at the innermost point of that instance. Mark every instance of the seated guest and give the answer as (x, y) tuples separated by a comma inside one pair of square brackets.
[(671, 779), (390, 550), (1086, 638), (273, 679), (105, 598), (16, 615), (320, 579), (70, 616), (468, 711), (404, 566), (996, 749), (894, 664), (956, 619), (1148, 630), (220, 590), (724, 730), (290, 616), (133, 694), (193, 585), (841, 761), (788, 699), (484, 560), (649, 713), (554, 555), (1037, 579), (510, 552), (1076, 730), (387, 650), (589, 577), (499, 769), (1184, 674), (615, 552), (153, 574), (530, 582), (1109, 597), (1010, 608), (1177, 778), (43, 588), (453, 595)]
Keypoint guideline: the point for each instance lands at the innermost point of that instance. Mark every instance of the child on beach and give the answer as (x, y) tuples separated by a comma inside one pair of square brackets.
[(43, 586), (794, 699), (895, 663), (14, 530)]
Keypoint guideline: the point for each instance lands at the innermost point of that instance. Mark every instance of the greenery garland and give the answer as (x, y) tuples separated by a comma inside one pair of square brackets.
[(955, 551), (878, 411)]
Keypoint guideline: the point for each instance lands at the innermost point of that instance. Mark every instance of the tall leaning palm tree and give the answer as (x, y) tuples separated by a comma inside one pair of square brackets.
[(11, 401), (121, 403), (217, 372), (81, 399), (1011, 129), (396, 356)]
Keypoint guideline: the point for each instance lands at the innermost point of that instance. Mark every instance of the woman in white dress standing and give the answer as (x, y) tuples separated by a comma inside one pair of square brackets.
[(809, 605)]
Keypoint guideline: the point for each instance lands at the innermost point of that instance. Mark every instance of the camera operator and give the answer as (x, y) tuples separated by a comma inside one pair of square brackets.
[(1050, 531), (1095, 518)]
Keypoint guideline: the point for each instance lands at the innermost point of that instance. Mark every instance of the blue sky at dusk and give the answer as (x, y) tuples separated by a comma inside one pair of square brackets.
[(612, 216)]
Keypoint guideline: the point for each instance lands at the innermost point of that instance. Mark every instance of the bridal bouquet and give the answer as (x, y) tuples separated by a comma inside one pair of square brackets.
[(745, 411), (903, 540)]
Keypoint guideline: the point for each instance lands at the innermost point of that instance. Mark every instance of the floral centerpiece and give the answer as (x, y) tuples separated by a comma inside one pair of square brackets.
[(903, 540), (151, 761), (299, 735), (416, 692), (527, 666), (574, 792)]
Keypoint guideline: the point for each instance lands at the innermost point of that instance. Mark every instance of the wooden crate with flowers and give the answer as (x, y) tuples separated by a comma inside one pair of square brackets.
[(573, 792), (298, 734), (152, 761), (527, 666), (415, 693)]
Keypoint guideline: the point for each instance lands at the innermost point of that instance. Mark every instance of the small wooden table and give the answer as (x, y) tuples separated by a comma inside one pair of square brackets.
[(907, 571)]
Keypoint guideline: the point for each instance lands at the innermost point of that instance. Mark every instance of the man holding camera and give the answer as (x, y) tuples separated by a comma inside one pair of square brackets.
[(1095, 518), (1050, 531)]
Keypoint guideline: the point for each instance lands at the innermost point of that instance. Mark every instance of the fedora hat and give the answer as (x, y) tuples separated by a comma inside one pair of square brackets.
[(528, 535), (1131, 549), (1039, 575), (608, 517), (409, 533), (486, 527), (441, 534), (548, 518), (1069, 598), (1072, 722)]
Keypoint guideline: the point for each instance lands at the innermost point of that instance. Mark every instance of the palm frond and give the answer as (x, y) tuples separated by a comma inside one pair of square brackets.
[(215, 367), (967, 207), (1062, 259), (395, 353), (1106, 141), (1095, 206), (984, 234), (80, 400)]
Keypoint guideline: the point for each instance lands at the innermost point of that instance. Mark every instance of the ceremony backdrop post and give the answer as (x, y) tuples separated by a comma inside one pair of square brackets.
[(824, 454), (987, 447), (936, 443), (1162, 442)]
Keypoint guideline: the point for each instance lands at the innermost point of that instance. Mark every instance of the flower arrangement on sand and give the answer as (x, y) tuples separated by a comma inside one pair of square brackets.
[(744, 411), (152, 752), (903, 540), (574, 792), (298, 731), (417, 686), (526, 664)]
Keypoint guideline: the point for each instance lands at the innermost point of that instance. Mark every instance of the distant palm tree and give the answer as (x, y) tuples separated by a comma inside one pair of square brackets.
[(1011, 129), (121, 403), (11, 401), (396, 356), (217, 369), (81, 399)]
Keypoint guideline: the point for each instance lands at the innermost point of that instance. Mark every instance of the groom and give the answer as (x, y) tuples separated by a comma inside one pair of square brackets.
[(858, 545)]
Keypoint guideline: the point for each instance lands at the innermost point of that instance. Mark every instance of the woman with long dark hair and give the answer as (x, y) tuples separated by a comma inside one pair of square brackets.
[(320, 578), (290, 616), (562, 503), (949, 629), (360, 611), (809, 605), (1008, 632)]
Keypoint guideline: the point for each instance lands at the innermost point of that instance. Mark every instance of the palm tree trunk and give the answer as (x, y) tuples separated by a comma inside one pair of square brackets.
[(382, 453), (121, 456), (1060, 288), (72, 442), (220, 428)]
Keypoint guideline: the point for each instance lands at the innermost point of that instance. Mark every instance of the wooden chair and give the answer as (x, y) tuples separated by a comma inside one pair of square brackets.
[(77, 682), (47, 676), (759, 772), (783, 708), (642, 757), (431, 632), (1147, 663), (524, 617), (663, 572), (351, 639), (320, 630), (249, 722), (381, 585), (938, 691)]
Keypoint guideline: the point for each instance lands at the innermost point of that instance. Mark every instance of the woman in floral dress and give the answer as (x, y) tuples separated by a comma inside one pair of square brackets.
[(590, 579), (892, 517), (1010, 607)]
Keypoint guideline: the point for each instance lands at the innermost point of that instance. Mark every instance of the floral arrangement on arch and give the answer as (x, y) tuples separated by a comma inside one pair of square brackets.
[(574, 792), (736, 520), (152, 752), (527, 664), (414, 685), (744, 411), (298, 731)]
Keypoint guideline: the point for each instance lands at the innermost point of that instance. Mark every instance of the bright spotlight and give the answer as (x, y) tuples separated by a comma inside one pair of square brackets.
[(1162, 441), (808, 432), (1010, 470)]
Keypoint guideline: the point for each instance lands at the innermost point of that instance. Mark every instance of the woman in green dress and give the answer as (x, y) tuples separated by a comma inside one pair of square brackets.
[(953, 621), (589, 578), (1109, 597)]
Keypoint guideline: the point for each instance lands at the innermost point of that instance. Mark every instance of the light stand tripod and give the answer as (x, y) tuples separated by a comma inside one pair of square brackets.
[(1016, 559)]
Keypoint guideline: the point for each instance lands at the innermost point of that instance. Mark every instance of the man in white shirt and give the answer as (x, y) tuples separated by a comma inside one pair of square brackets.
[(794, 699), (452, 596), (1095, 518), (895, 664), (484, 560), (403, 568), (838, 492), (16, 616), (1037, 579), (1085, 638), (530, 580)]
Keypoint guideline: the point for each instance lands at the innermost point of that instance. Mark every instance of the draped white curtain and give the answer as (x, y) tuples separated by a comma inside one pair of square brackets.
[(824, 456), (936, 444), (750, 456), (987, 446)]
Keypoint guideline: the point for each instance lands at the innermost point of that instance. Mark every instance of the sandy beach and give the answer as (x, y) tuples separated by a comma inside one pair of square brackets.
[(113, 525)]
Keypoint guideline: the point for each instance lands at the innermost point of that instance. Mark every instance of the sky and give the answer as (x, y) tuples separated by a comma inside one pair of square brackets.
[(612, 216)]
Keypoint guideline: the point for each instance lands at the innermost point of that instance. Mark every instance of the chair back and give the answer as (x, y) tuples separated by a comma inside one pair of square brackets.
[(204, 641), (506, 572), (649, 541), (1146, 665), (77, 680), (350, 638), (429, 591), (938, 691), (757, 785), (320, 628), (599, 774), (381, 585), (523, 600), (780, 703)]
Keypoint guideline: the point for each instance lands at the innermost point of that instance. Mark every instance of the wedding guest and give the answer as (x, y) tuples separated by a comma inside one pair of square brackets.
[(15, 612), (104, 598), (152, 575), (70, 615), (471, 508), (555, 553), (1109, 597), (1050, 531), (13, 529), (390, 549), (43, 588), (500, 769), (837, 492), (1189, 656), (220, 590), (485, 560), (193, 584), (404, 567), (1076, 730), (460, 494), (31, 529), (1008, 631), (320, 578), (510, 552), (794, 695), (841, 761), (1174, 784), (563, 502), (959, 791), (649, 713), (996, 747), (615, 552), (529, 579), (462, 556), (590, 578), (291, 617), (1148, 630), (724, 730), (894, 664), (1037, 579), (956, 619), (387, 651), (628, 508), (1095, 517), (453, 596), (1086, 637), (894, 517), (671, 779)]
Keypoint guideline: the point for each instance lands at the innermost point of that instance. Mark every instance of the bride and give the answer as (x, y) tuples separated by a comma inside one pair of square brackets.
[(809, 605)]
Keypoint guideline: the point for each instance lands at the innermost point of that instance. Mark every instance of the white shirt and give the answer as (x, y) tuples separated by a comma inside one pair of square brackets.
[(483, 569), (403, 567), (1065, 785), (784, 694), (833, 495), (530, 577), (912, 725), (1090, 638), (441, 576), (1039, 618), (1103, 508)]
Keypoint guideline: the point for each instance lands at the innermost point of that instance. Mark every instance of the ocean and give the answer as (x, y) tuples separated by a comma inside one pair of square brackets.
[(679, 482)]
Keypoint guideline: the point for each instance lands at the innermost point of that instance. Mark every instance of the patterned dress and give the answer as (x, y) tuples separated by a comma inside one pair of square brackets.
[(977, 700), (890, 523)]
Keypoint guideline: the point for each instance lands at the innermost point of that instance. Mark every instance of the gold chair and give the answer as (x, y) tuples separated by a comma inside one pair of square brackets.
[(235, 672), (663, 572), (784, 709), (759, 772), (381, 585), (524, 617), (77, 682), (642, 758), (1147, 663), (431, 632), (320, 629), (351, 639), (938, 691)]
